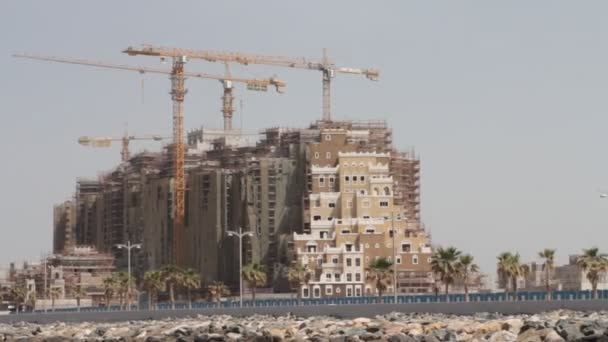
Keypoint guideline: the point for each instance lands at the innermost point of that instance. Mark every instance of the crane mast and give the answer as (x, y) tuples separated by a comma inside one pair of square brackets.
[(327, 68)]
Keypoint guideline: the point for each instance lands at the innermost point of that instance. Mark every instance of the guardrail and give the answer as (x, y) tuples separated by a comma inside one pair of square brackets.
[(388, 299)]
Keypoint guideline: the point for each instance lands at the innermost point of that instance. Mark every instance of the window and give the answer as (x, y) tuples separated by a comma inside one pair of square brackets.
[(349, 262), (391, 233), (357, 262), (387, 191), (305, 293), (345, 231), (357, 276), (331, 204), (337, 276), (328, 276), (349, 277), (324, 235), (316, 218), (334, 260), (331, 181), (415, 259), (384, 203), (406, 247), (328, 290), (398, 260), (362, 179), (365, 204), (370, 230), (312, 249), (328, 155), (321, 182), (349, 292), (349, 204), (347, 179), (358, 291), (349, 248), (316, 155), (354, 179), (327, 136), (362, 192), (338, 290), (366, 216), (317, 292)]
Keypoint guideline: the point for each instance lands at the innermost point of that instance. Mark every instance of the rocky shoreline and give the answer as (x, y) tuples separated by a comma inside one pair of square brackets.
[(395, 327)]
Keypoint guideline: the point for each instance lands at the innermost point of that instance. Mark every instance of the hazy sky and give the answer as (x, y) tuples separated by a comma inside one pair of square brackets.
[(505, 102)]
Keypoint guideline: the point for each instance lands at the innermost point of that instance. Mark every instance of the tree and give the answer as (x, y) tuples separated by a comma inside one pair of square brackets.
[(593, 264), (55, 294), (19, 294), (172, 275), (549, 261), (218, 290), (380, 273), (191, 280), (122, 281), (255, 276), (79, 292), (465, 267), (443, 263), (503, 269), (109, 285), (153, 283), (298, 275), (516, 270)]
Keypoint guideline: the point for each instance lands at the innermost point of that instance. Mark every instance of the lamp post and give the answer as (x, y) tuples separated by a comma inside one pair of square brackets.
[(129, 247), (240, 234), (394, 258)]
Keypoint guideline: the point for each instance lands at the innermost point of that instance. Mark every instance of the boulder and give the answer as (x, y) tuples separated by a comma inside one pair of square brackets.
[(530, 335), (400, 337), (569, 330), (503, 336)]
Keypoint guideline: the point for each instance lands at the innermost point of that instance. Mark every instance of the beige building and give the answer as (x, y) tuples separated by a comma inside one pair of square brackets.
[(353, 219)]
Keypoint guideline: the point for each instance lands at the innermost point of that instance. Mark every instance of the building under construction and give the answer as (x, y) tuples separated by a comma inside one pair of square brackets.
[(232, 180)]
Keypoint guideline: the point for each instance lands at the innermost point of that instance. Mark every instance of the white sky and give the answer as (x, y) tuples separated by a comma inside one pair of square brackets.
[(504, 101)]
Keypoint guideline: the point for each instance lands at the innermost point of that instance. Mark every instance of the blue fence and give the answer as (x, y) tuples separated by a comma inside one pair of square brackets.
[(389, 299)]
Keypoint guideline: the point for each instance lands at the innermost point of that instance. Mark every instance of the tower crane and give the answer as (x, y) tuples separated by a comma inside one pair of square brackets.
[(227, 81), (178, 92), (327, 67), (125, 140)]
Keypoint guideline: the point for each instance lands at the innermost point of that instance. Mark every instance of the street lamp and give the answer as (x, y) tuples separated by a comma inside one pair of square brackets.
[(128, 247), (240, 234), (394, 258)]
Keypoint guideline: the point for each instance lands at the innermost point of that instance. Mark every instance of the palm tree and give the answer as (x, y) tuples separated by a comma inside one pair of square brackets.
[(549, 256), (109, 285), (172, 275), (19, 294), (503, 269), (443, 263), (593, 263), (516, 270), (79, 292), (55, 294), (122, 283), (255, 276), (299, 275), (191, 280), (218, 290), (153, 283), (380, 273), (465, 267)]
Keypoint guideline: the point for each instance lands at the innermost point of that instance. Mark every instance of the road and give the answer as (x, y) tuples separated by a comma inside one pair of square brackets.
[(342, 311)]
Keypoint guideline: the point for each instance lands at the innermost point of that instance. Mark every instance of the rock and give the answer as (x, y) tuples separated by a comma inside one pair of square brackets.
[(530, 335), (513, 325), (553, 336), (233, 336), (488, 327), (100, 331), (444, 335), (153, 339), (430, 338), (400, 337), (393, 329), (362, 320), (569, 330), (201, 338), (503, 336)]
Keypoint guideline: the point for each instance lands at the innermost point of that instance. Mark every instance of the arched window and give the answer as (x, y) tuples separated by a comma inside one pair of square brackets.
[(376, 191), (387, 191)]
